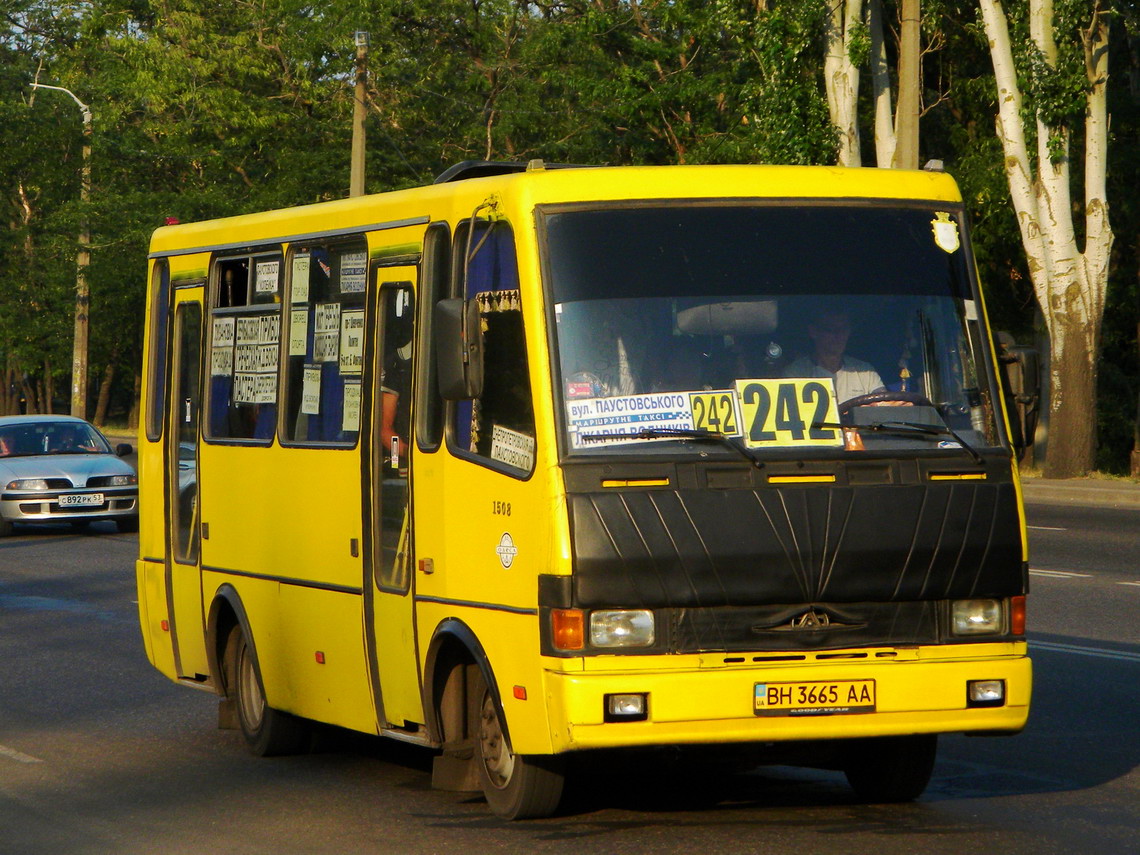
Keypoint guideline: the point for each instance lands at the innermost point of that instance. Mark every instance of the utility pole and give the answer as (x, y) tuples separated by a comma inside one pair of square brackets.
[(906, 149), (356, 177), (82, 260)]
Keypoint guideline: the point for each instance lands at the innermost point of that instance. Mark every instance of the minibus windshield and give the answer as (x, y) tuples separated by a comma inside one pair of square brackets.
[(841, 326)]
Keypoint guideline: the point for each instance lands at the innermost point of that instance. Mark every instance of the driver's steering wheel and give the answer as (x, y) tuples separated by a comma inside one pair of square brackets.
[(915, 398)]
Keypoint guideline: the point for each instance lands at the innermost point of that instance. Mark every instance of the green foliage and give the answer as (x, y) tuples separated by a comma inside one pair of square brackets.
[(205, 108)]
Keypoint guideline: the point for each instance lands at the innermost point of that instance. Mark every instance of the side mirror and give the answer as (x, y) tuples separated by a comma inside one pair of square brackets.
[(123, 449), (458, 349), (1021, 385)]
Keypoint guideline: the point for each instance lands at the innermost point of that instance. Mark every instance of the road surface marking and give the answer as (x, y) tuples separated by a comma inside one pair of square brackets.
[(1045, 528), (1059, 574), (1098, 652), (19, 757), (1134, 584)]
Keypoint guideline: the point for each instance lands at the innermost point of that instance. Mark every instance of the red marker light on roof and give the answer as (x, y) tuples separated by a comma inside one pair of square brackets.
[(172, 221)]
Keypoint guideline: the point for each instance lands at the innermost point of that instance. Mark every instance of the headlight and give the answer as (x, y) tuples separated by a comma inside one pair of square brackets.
[(122, 480), (625, 628), (28, 484), (976, 617)]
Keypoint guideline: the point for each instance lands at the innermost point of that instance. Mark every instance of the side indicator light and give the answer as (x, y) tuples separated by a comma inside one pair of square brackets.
[(568, 629), (320, 657), (520, 693), (165, 625), (1017, 615)]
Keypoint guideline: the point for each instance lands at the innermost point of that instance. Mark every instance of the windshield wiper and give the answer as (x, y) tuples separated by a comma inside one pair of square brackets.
[(897, 428), (679, 433)]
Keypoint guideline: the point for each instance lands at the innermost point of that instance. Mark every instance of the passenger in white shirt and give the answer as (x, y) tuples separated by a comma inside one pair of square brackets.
[(852, 377)]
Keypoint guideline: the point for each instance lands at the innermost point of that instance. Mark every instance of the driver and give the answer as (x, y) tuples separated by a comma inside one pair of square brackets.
[(853, 377)]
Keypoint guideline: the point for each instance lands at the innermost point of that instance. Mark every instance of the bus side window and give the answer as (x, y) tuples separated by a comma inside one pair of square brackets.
[(325, 343), (245, 341), (499, 424), (159, 330), (434, 286)]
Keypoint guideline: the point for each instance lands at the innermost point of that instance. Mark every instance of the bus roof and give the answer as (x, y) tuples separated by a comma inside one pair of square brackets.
[(528, 185)]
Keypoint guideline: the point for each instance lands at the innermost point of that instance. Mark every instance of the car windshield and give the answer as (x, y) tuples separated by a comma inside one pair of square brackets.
[(25, 439), (780, 326)]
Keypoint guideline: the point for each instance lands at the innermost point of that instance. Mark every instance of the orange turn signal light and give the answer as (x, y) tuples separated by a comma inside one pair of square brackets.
[(1017, 615), (568, 629)]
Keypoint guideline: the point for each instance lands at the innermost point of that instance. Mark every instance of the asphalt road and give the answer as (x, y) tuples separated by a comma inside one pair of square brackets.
[(100, 754)]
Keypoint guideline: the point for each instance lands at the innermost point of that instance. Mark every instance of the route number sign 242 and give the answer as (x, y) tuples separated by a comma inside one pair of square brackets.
[(771, 413)]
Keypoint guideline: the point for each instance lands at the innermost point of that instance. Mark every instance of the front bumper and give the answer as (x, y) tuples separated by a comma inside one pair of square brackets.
[(920, 690), (117, 503)]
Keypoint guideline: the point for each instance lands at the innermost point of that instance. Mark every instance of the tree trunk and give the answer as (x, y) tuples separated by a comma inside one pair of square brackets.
[(1072, 409), (49, 388), (886, 137), (841, 77), (136, 403), (104, 394), (1136, 426)]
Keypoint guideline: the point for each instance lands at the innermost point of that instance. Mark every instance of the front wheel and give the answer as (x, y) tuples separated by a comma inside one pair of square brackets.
[(516, 786), (268, 731), (891, 769)]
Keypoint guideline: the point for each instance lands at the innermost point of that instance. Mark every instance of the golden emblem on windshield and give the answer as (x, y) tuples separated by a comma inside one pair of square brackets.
[(945, 232)]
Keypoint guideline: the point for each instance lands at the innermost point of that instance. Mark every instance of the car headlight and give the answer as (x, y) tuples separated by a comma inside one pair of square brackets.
[(621, 628), (976, 617), (122, 480), (27, 484)]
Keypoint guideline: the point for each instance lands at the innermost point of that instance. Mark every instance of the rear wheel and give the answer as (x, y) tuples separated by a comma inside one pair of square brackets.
[(891, 769), (516, 786), (267, 731)]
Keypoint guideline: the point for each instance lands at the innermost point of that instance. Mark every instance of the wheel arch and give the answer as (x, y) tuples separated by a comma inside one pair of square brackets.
[(226, 612), (453, 646)]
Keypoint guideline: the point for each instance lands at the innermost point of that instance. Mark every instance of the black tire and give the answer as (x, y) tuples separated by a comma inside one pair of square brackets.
[(516, 786), (268, 732), (127, 525), (5, 527), (891, 769)]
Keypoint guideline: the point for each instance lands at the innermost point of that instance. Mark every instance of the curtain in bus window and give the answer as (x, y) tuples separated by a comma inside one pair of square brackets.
[(500, 423)]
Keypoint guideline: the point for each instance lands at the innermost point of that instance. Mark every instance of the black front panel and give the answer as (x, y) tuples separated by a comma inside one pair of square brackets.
[(819, 627), (808, 543)]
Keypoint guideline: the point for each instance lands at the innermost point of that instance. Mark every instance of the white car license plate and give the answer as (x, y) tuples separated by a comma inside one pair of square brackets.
[(72, 500)]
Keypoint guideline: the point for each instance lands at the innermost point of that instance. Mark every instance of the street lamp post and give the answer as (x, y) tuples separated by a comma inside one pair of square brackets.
[(82, 260)]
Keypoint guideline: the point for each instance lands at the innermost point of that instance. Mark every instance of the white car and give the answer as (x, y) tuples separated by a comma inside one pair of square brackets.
[(62, 469)]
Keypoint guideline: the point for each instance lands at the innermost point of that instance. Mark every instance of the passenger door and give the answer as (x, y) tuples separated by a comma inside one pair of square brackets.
[(184, 577), (388, 559)]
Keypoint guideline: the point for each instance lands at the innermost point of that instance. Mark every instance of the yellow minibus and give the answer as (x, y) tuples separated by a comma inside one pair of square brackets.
[(536, 461)]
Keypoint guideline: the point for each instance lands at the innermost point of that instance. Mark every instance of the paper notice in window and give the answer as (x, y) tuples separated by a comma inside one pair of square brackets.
[(326, 332), (298, 331), (311, 390), (352, 341), (350, 420), (510, 446), (267, 277), (353, 270), (300, 286), (222, 349), (222, 361)]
